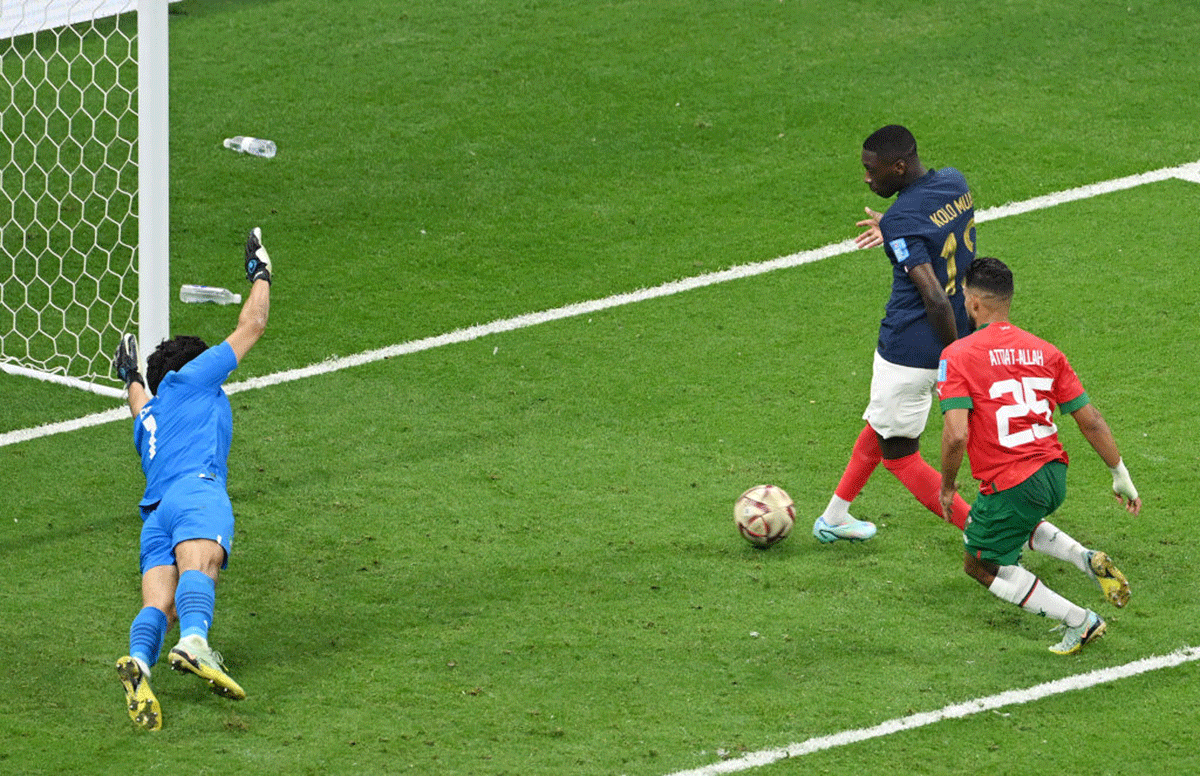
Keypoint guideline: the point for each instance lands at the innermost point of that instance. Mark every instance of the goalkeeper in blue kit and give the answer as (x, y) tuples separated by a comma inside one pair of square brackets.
[(182, 428)]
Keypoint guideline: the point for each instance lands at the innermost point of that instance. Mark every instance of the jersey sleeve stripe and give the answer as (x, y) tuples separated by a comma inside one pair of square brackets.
[(1082, 400), (957, 403)]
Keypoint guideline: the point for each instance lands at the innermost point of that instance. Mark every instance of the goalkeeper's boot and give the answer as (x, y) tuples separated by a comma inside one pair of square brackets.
[(852, 530), (1074, 638), (139, 698), (1110, 579), (193, 655)]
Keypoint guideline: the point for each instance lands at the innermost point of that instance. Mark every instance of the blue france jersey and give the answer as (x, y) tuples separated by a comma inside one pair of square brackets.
[(186, 428), (932, 222)]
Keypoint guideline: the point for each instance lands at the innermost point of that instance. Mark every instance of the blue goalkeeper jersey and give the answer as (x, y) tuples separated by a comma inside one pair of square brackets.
[(932, 222), (186, 428)]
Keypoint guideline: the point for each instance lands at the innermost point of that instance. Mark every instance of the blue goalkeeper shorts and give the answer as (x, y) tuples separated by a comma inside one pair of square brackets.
[(193, 508)]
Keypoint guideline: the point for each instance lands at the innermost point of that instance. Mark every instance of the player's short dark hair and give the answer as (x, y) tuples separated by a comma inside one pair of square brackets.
[(891, 143), (171, 356), (990, 276)]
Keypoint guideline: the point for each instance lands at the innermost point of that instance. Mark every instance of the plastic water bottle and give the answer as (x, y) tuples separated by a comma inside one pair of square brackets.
[(251, 145), (189, 293)]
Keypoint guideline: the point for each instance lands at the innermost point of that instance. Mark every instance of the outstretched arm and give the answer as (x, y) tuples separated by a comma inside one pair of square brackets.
[(138, 396), (252, 321), (1096, 431), (125, 362)]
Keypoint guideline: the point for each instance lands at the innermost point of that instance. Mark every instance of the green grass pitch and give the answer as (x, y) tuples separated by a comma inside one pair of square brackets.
[(515, 555)]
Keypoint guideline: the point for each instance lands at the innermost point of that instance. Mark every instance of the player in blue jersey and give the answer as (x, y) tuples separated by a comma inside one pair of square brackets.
[(182, 429), (928, 235)]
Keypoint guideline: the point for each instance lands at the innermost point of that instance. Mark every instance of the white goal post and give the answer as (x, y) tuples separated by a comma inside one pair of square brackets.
[(83, 186)]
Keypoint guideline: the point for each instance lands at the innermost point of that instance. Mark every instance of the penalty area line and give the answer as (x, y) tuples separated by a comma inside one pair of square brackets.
[(1187, 172), (955, 711)]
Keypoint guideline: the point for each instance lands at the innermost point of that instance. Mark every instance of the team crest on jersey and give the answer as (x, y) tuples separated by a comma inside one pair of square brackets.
[(899, 249)]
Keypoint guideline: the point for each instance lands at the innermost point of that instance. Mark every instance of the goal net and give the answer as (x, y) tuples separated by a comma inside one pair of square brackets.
[(69, 189)]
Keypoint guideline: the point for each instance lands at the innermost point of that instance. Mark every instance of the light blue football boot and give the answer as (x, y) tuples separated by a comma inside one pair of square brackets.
[(1074, 638), (850, 531)]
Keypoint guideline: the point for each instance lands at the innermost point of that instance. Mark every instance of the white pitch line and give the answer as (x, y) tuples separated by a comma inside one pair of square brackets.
[(1189, 172), (956, 711), (545, 316), (62, 427)]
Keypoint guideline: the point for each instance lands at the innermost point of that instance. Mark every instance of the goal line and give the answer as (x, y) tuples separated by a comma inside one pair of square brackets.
[(1188, 172)]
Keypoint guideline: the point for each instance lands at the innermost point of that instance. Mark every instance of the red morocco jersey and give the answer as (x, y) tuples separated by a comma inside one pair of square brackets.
[(1011, 381)]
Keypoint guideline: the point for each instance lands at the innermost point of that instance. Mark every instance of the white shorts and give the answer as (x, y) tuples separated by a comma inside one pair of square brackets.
[(900, 399)]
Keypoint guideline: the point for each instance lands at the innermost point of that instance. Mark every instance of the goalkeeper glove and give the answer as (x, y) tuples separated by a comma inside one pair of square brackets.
[(1122, 484), (258, 263), (125, 362)]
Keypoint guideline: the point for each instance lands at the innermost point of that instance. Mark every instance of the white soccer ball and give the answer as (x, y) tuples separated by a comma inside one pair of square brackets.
[(764, 515)]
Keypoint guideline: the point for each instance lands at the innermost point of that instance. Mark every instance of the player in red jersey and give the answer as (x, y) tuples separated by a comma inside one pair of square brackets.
[(998, 388)]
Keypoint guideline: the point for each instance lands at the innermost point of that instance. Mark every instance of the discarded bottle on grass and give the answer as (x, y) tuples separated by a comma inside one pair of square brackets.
[(189, 293), (251, 145)]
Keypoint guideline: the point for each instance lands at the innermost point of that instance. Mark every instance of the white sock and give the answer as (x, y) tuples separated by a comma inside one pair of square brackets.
[(1055, 542), (837, 512), (1019, 586)]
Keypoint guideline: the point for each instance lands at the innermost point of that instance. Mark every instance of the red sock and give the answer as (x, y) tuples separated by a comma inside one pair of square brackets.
[(863, 460), (924, 482)]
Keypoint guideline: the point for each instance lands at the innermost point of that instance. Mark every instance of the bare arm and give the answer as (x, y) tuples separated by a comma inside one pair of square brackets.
[(138, 396), (252, 321), (954, 446), (937, 305), (1096, 431)]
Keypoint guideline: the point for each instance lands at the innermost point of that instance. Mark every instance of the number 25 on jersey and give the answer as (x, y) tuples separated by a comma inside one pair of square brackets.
[(1025, 402)]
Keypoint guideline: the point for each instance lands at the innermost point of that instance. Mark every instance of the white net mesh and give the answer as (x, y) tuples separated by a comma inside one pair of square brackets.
[(68, 184)]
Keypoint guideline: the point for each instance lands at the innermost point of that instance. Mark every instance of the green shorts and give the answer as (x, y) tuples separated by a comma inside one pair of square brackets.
[(1001, 523)]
